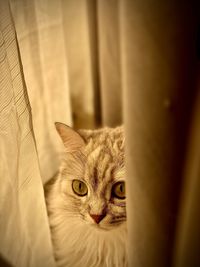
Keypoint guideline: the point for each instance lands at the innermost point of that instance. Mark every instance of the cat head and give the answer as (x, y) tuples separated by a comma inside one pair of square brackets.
[(92, 175)]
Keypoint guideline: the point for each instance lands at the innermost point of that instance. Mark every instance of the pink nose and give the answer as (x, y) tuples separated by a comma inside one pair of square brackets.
[(97, 218)]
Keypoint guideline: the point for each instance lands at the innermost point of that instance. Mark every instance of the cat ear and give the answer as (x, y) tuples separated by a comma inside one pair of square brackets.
[(71, 139)]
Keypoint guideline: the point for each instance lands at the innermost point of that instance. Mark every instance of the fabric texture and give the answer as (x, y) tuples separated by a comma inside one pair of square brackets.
[(100, 63), (41, 41), (24, 232)]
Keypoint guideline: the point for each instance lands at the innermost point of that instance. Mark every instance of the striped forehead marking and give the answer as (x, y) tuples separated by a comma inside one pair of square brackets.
[(100, 170), (103, 157), (95, 179)]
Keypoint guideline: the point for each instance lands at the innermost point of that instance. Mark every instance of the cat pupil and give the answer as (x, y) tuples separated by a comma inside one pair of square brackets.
[(80, 186), (121, 188)]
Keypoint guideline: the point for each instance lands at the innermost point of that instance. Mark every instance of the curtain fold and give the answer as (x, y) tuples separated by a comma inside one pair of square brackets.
[(110, 62), (187, 241), (158, 74), (24, 232), (79, 45)]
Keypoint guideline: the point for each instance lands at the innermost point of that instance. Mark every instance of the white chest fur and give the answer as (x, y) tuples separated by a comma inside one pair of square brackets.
[(77, 244)]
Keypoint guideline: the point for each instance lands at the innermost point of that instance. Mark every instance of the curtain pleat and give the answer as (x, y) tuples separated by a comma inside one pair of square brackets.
[(110, 62), (24, 232), (78, 34)]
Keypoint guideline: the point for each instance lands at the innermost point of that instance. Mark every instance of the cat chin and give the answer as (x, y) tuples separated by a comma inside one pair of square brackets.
[(90, 246)]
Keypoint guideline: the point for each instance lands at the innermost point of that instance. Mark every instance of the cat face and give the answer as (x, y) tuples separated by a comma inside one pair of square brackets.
[(93, 177)]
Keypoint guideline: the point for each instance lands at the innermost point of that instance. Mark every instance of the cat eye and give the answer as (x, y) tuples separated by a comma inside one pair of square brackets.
[(79, 188), (118, 190)]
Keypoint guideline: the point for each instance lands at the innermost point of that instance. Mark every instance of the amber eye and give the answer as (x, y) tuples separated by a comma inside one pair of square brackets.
[(118, 190), (79, 188)]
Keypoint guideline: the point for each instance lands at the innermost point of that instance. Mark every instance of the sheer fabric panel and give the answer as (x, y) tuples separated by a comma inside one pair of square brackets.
[(40, 32), (24, 233), (71, 57), (110, 62)]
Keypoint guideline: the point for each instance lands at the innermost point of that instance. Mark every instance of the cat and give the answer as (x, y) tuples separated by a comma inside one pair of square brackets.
[(86, 201)]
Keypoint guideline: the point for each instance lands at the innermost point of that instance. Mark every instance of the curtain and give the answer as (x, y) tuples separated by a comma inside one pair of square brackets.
[(41, 42), (71, 67), (24, 233), (103, 63), (159, 65)]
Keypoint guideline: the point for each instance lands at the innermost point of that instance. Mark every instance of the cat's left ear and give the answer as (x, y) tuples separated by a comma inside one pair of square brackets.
[(71, 139)]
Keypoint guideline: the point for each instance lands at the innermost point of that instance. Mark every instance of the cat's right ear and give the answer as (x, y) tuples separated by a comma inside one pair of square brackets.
[(71, 139)]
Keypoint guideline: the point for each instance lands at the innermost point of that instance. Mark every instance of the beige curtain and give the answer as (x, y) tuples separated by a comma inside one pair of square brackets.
[(159, 73), (71, 58), (94, 63), (39, 27), (24, 232)]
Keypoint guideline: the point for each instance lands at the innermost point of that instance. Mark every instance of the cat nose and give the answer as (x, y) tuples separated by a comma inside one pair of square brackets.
[(97, 217)]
